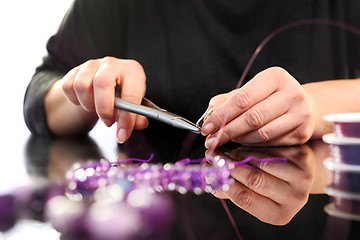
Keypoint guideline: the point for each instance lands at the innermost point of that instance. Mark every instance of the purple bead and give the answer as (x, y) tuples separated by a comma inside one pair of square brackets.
[(30, 201), (104, 165), (157, 217), (8, 214), (113, 221), (168, 177), (66, 216)]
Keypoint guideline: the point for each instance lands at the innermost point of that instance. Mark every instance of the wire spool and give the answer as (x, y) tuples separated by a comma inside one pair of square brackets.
[(345, 177), (343, 149), (345, 124), (344, 202), (345, 164)]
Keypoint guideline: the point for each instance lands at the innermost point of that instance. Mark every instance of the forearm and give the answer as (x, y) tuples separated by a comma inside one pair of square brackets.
[(337, 96), (64, 117)]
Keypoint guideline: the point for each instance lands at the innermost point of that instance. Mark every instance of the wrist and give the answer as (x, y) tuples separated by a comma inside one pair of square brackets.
[(320, 125)]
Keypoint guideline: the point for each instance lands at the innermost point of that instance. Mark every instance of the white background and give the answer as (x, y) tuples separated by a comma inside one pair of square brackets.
[(25, 26)]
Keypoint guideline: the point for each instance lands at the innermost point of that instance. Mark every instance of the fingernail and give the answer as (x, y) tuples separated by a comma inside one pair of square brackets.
[(121, 135), (207, 128), (209, 142)]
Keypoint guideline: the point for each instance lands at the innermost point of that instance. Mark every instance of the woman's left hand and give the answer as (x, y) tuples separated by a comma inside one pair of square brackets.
[(271, 109), (271, 191)]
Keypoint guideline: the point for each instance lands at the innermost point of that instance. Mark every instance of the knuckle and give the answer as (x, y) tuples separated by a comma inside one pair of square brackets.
[(243, 199), (130, 96), (279, 76), (108, 59), (281, 219), (301, 136), (307, 178), (301, 198), (264, 135), (218, 99), (241, 100), (227, 135), (277, 72), (253, 118), (213, 100), (67, 86), (80, 86), (256, 180), (299, 95), (134, 65), (266, 165), (306, 115), (104, 80), (89, 63)]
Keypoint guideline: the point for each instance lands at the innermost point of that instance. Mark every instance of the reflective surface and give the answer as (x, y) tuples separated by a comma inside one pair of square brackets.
[(288, 202)]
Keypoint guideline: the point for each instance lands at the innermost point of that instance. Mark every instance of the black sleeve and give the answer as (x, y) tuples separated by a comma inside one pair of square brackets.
[(89, 30), (353, 17)]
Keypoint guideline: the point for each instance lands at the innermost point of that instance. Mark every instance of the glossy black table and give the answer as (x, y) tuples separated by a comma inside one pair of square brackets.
[(203, 216)]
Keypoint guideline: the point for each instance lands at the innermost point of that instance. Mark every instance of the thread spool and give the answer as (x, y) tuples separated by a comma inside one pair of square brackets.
[(345, 177), (345, 165), (333, 211), (345, 124), (343, 150), (344, 202)]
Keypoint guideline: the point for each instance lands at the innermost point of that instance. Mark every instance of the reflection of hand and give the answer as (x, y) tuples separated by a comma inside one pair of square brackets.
[(66, 151), (92, 85), (273, 192), (271, 109)]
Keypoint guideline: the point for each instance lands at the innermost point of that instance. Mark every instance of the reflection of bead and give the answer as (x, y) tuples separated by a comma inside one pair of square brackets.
[(156, 177), (182, 178)]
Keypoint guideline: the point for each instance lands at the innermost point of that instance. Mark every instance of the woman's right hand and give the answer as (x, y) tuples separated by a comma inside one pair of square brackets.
[(92, 86)]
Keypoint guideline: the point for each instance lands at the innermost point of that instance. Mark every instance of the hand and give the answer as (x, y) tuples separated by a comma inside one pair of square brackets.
[(272, 191), (271, 109), (92, 85)]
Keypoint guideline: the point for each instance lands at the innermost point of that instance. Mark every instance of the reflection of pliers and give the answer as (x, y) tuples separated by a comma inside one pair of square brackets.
[(149, 109)]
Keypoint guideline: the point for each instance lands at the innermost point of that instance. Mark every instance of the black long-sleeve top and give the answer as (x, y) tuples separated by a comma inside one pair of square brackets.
[(192, 50)]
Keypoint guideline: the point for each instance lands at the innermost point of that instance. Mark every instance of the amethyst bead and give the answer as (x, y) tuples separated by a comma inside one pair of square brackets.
[(8, 214)]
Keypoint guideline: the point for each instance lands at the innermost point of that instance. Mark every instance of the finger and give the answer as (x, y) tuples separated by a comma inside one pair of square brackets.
[(287, 170), (121, 160), (83, 84), (141, 122), (132, 82), (220, 194), (253, 120), (263, 183), (296, 169), (68, 86), (295, 165), (261, 207), (104, 85), (283, 131), (219, 99), (240, 100), (213, 103), (133, 86)]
